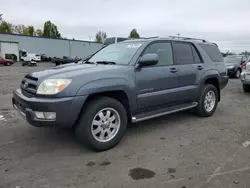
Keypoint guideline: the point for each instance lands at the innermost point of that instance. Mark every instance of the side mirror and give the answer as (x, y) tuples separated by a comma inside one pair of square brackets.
[(148, 60)]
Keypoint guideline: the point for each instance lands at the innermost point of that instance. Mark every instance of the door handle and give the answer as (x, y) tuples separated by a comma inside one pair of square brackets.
[(199, 67), (173, 70)]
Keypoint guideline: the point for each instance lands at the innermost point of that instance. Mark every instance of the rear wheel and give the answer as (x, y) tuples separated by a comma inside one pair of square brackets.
[(7, 64), (237, 73), (246, 88), (102, 124), (208, 101)]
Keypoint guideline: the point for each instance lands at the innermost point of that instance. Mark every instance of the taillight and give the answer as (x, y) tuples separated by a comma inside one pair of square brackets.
[(244, 66)]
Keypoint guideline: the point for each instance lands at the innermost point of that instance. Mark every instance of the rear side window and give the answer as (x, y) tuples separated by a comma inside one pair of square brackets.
[(184, 54), (197, 57), (213, 52)]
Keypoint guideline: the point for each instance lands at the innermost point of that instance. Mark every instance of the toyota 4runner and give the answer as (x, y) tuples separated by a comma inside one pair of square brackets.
[(125, 82)]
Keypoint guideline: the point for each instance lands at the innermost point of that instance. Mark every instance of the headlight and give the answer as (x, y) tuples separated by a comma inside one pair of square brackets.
[(53, 86), (230, 67)]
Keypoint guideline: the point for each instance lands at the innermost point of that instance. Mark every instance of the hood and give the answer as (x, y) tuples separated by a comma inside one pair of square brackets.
[(76, 70)]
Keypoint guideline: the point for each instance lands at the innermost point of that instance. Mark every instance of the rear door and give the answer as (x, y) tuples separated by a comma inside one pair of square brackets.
[(189, 65), (156, 85)]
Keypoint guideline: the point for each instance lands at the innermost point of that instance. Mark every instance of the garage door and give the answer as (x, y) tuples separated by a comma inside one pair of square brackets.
[(9, 48)]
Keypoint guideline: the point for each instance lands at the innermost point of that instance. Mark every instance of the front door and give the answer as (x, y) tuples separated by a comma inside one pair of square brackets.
[(156, 84)]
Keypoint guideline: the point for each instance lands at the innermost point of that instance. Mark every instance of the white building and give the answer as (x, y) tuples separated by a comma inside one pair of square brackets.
[(17, 44)]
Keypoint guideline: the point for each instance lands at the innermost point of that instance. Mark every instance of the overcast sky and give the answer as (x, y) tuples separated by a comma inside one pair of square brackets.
[(223, 21)]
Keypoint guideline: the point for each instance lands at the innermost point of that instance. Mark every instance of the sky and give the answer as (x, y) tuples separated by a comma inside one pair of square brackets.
[(225, 22)]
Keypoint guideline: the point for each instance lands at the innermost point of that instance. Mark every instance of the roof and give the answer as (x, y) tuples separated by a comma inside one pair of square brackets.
[(20, 35)]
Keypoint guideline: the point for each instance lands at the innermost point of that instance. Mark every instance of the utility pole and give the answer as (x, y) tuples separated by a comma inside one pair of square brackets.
[(1, 17)]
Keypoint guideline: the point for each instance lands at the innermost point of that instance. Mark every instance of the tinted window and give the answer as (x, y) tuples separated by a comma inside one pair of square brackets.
[(213, 52), (197, 58), (37, 55), (109, 41), (184, 53), (164, 51)]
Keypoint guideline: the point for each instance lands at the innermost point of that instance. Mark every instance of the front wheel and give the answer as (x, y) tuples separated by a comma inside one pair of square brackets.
[(246, 88), (7, 64), (208, 101), (102, 124)]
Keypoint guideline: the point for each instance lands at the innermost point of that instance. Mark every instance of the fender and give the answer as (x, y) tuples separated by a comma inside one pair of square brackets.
[(110, 84), (208, 74)]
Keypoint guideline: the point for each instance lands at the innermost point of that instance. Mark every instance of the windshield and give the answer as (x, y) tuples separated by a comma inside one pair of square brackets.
[(120, 53), (232, 59)]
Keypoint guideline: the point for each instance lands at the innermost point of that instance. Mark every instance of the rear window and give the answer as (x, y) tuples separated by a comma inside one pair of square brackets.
[(213, 52)]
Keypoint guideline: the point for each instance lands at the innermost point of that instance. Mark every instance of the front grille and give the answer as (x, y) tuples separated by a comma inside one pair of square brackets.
[(29, 86)]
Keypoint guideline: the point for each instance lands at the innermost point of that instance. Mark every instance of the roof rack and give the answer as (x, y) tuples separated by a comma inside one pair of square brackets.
[(187, 38)]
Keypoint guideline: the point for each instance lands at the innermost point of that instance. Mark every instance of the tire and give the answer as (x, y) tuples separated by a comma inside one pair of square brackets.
[(84, 129), (7, 64), (237, 73), (246, 88), (201, 109)]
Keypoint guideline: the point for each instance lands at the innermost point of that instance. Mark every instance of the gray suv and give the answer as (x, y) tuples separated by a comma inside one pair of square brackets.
[(125, 82)]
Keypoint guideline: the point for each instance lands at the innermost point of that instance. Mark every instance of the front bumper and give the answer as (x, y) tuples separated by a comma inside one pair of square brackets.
[(67, 109), (231, 72)]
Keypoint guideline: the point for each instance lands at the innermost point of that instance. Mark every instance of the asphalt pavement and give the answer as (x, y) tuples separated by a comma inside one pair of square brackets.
[(178, 151)]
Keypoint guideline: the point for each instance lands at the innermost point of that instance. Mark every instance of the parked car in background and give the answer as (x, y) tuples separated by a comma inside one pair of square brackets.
[(31, 63), (6, 62), (112, 40), (130, 81), (64, 60), (29, 57), (245, 76), (234, 63), (44, 58)]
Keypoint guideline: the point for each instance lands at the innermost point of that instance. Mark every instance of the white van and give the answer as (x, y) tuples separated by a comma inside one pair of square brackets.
[(29, 57)]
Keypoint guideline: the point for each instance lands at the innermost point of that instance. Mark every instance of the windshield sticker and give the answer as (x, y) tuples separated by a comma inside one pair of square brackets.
[(133, 45)]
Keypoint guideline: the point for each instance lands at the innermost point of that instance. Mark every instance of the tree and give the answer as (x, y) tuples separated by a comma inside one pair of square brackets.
[(100, 36), (30, 30), (39, 32), (18, 29), (5, 27), (134, 34), (50, 30)]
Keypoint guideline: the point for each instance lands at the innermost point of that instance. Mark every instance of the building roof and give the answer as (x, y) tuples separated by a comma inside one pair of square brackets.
[(48, 38)]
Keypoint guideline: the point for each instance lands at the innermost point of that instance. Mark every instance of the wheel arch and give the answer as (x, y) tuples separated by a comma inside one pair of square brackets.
[(213, 79)]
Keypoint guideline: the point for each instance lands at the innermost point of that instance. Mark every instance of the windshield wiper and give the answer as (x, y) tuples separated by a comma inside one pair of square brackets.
[(106, 62), (89, 62)]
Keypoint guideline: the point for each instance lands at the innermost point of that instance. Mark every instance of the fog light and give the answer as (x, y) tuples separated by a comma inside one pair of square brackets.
[(39, 115), (50, 115)]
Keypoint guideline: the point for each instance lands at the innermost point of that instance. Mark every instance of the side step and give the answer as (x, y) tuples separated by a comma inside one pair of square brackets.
[(162, 112)]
